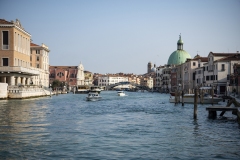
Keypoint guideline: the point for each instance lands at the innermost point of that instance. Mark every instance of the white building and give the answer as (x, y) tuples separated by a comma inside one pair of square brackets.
[(106, 80), (218, 70), (159, 76), (80, 75), (39, 59)]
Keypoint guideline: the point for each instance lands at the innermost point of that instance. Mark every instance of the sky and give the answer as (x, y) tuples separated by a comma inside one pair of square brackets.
[(112, 36)]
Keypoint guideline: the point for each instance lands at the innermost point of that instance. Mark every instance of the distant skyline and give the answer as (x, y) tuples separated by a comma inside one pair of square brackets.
[(111, 36)]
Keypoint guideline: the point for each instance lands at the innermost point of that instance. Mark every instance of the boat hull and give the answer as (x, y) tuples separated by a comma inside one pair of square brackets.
[(93, 98), (121, 94)]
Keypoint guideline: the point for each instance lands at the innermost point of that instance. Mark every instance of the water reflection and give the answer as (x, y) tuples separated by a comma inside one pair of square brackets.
[(138, 126)]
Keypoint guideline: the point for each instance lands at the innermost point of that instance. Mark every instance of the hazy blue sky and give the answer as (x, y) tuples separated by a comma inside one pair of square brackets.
[(110, 36)]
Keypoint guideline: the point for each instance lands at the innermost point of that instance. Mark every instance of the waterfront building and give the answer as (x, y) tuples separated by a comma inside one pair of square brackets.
[(174, 85), (218, 70), (23, 80), (70, 76), (147, 82), (65, 74), (88, 78), (235, 77), (80, 75), (199, 72), (159, 78), (166, 78), (189, 73), (39, 59), (110, 79), (15, 66)]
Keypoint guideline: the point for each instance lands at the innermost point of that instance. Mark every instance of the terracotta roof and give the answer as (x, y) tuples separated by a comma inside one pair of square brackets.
[(3, 21), (235, 56), (63, 67), (203, 59), (32, 44), (222, 54)]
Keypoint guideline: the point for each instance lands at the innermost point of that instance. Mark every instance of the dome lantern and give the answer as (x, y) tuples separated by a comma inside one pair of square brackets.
[(180, 43)]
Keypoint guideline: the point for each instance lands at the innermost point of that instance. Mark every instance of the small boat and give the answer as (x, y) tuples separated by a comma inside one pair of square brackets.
[(82, 89), (93, 96), (121, 93), (189, 98), (95, 89)]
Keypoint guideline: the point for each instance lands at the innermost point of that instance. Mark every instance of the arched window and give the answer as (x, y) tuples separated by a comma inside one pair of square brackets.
[(60, 74)]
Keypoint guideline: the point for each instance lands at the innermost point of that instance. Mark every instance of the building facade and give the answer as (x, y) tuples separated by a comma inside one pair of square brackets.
[(70, 76), (15, 68), (39, 59)]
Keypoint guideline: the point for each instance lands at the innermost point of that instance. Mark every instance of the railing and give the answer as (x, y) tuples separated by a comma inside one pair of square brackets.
[(5, 47), (19, 69)]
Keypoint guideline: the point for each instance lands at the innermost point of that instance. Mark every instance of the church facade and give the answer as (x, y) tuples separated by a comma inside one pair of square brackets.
[(70, 76)]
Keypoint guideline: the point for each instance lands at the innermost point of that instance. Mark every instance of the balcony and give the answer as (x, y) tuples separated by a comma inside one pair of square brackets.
[(16, 69)]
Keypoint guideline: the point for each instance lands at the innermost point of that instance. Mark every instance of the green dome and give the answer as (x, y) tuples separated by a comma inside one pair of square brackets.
[(178, 57)]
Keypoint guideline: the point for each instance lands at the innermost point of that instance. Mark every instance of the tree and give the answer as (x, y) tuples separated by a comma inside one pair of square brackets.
[(56, 83)]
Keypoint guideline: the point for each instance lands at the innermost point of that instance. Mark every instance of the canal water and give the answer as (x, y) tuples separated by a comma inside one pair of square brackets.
[(137, 126)]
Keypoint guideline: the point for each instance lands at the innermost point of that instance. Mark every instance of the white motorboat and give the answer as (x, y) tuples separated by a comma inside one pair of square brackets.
[(121, 93), (95, 89), (189, 98), (93, 96)]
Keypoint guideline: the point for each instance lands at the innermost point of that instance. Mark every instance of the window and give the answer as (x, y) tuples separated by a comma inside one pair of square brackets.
[(37, 65), (5, 62), (223, 67), (37, 51), (207, 78), (212, 77), (5, 40), (216, 78), (30, 58), (194, 63), (37, 58), (60, 74)]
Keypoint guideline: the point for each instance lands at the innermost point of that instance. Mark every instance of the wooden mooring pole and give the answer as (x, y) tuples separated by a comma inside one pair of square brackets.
[(175, 97), (182, 98), (201, 94), (195, 103), (212, 95)]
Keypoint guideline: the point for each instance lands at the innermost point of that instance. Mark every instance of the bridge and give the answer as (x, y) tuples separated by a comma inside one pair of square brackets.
[(110, 87)]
